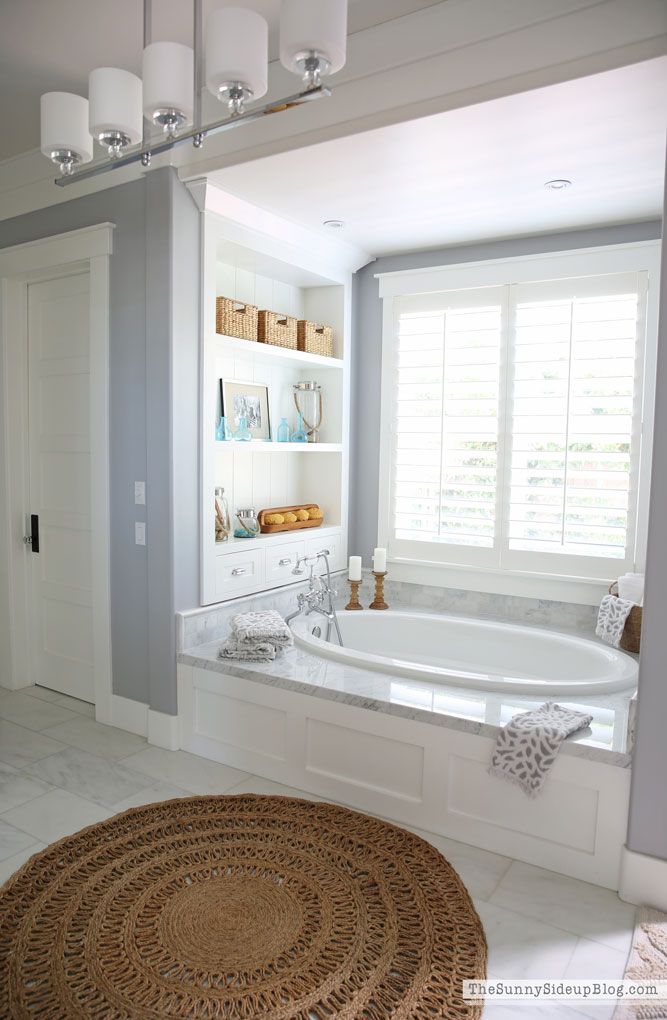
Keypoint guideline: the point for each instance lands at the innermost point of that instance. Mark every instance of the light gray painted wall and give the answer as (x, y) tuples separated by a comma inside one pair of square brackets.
[(172, 398), (153, 359), (126, 207), (647, 830), (367, 349)]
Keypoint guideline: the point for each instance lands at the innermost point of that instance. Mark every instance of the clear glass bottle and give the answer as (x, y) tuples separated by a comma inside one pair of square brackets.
[(243, 433), (283, 431), (223, 526)]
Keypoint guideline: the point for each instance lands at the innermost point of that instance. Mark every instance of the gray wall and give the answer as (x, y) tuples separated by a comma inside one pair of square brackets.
[(647, 830), (153, 322), (126, 207), (367, 349)]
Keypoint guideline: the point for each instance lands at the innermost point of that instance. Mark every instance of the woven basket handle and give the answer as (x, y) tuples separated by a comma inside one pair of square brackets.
[(240, 308)]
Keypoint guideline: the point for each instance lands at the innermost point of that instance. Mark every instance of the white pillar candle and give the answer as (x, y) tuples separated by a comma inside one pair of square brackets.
[(354, 569), (380, 561)]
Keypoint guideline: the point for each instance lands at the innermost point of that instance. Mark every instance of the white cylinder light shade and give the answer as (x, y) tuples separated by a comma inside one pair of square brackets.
[(313, 26), (115, 103), (168, 79), (64, 125), (237, 50)]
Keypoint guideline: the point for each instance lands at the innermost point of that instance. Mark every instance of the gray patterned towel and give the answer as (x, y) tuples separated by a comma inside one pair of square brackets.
[(249, 628), (260, 651), (612, 615), (527, 747)]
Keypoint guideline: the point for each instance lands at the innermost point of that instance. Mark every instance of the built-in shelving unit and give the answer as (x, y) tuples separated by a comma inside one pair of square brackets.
[(257, 258)]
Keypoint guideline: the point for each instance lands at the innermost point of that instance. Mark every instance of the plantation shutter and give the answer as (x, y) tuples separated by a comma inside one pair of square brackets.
[(447, 418), (575, 418), (517, 425)]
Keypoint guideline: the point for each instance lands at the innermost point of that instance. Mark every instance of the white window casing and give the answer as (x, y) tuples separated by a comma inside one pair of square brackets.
[(517, 419)]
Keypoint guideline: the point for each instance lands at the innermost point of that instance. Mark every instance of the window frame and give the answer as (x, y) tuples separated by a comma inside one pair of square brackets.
[(525, 573)]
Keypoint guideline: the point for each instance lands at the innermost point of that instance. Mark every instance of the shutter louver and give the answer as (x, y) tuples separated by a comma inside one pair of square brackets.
[(446, 458), (572, 425)]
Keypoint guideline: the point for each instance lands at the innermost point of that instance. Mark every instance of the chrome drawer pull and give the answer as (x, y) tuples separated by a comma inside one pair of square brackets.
[(285, 562), (237, 571)]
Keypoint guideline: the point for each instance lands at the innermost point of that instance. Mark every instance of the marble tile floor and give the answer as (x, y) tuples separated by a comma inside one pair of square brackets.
[(60, 771)]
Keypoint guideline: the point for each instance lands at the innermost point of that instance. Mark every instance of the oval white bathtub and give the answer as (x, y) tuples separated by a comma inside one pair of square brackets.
[(466, 652)]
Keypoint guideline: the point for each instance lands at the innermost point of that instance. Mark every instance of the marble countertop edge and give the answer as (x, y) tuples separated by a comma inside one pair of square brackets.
[(272, 675)]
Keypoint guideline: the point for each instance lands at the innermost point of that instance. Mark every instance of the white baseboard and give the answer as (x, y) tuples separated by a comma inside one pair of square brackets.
[(129, 715), (135, 717), (643, 879), (163, 730)]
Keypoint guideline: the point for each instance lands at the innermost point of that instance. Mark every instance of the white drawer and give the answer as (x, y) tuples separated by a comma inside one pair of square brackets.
[(238, 572), (330, 542), (281, 561)]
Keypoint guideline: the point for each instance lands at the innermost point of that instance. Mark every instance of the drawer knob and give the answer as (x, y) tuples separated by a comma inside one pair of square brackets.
[(237, 571), (285, 561)]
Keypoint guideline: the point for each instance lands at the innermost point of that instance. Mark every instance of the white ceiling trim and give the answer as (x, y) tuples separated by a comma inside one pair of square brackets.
[(443, 57)]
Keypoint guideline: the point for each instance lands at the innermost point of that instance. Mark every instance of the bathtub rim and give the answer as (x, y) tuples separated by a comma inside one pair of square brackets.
[(625, 682)]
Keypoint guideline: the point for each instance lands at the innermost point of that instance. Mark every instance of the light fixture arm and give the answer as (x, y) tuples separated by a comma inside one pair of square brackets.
[(198, 47), (144, 154)]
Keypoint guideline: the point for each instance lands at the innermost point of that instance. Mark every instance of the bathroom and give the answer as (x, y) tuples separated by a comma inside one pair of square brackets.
[(386, 367)]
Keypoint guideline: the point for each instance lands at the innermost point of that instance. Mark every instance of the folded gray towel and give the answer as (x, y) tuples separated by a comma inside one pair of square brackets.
[(527, 747), (260, 651), (248, 628)]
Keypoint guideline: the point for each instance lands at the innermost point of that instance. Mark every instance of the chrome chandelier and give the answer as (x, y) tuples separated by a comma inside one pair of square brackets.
[(231, 61)]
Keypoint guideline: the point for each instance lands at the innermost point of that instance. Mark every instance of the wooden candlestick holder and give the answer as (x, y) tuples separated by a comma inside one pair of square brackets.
[(354, 602), (379, 602)]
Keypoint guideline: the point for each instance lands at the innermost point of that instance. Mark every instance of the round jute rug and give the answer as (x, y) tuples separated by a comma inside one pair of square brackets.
[(238, 907)]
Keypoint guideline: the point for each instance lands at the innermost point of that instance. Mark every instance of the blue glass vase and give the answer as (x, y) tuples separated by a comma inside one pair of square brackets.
[(222, 431), (299, 435), (243, 433), (282, 432)]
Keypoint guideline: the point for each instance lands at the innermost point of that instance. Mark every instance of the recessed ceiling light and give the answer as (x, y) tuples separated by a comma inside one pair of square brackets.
[(334, 224), (558, 184)]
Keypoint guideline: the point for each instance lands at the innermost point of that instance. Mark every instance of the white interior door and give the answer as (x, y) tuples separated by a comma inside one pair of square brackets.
[(61, 595)]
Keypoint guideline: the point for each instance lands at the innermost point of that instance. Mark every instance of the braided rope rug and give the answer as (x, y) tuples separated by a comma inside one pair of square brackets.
[(238, 907)]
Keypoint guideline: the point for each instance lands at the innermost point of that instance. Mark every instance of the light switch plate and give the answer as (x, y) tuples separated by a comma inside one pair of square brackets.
[(140, 493), (139, 533)]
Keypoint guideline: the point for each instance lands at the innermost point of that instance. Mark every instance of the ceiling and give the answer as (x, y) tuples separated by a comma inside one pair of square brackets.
[(479, 172), (48, 45)]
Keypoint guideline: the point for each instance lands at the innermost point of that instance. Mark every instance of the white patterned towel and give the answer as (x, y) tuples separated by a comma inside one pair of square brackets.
[(248, 628), (527, 747), (611, 619)]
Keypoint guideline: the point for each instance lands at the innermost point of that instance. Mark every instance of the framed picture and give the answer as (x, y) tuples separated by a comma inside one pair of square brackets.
[(246, 400)]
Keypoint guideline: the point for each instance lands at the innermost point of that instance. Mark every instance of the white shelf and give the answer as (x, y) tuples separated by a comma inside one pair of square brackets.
[(275, 538), (234, 345), (258, 447)]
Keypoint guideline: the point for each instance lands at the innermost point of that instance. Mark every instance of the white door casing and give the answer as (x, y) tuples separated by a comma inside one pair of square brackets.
[(28, 273)]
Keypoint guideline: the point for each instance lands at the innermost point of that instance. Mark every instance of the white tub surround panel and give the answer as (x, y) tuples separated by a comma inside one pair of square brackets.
[(643, 879), (480, 713), (433, 777)]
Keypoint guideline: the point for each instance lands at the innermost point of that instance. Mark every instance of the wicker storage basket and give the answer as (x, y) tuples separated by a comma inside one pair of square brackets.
[(315, 339), (233, 318), (632, 632), (279, 330), (268, 529)]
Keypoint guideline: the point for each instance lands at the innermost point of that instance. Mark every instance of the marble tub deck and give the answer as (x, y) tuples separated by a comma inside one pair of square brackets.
[(458, 708)]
